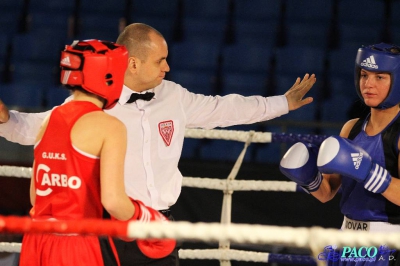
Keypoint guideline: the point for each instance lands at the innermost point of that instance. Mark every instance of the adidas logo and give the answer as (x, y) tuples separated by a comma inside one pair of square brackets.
[(369, 62), (65, 61), (357, 159)]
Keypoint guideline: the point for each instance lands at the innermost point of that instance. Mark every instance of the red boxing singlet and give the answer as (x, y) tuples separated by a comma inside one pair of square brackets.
[(67, 184)]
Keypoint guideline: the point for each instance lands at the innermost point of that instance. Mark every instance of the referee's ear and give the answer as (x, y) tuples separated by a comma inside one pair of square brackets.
[(133, 64)]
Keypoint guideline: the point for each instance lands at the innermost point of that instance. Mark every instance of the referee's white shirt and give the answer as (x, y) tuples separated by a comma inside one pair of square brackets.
[(151, 166)]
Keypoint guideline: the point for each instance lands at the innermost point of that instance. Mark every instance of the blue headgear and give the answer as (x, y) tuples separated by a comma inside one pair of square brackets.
[(380, 57)]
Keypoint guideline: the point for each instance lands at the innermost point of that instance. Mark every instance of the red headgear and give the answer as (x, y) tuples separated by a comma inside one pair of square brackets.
[(96, 66)]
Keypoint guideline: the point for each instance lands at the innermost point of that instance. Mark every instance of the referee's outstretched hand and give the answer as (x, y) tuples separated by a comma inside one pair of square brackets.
[(4, 113), (296, 93)]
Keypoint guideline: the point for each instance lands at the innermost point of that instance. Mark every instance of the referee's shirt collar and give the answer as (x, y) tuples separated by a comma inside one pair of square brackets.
[(126, 94)]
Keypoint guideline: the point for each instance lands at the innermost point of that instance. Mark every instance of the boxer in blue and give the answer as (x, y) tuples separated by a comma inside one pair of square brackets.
[(364, 160)]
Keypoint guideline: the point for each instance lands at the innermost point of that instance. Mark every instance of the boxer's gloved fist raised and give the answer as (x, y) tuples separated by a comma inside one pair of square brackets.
[(341, 156), (299, 164), (152, 248)]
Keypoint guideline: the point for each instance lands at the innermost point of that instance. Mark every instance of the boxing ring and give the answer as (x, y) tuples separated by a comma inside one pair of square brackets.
[(313, 239)]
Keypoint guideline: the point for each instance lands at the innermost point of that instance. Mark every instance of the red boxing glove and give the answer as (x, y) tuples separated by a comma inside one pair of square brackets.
[(146, 214), (152, 248)]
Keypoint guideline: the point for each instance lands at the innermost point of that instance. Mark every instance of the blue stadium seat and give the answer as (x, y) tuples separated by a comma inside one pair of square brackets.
[(351, 35), (250, 32), (155, 8), (98, 26), (246, 84), (103, 7), (305, 114), (342, 61), (209, 9), (343, 85), (369, 12), (194, 56), (11, 5), (269, 152), (8, 22), (191, 148), (50, 24), (161, 15), (257, 10), (4, 42), (56, 95), (297, 60), (245, 69), (336, 108), (256, 21), (309, 11), (307, 34), (100, 20), (241, 57), (394, 24), (205, 20), (223, 150), (21, 94), (203, 29), (53, 6), (395, 7), (395, 33), (165, 25), (35, 73), (36, 47), (202, 82)]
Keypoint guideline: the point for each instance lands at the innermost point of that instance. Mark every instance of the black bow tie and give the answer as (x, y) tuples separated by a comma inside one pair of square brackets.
[(146, 97)]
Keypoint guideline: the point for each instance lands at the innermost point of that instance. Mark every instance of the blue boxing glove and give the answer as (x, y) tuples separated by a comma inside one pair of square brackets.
[(341, 156), (299, 164)]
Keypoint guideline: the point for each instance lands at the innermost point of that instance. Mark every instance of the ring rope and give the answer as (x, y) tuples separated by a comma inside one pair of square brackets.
[(240, 255), (258, 137), (12, 247), (239, 185), (195, 182), (212, 254), (299, 237), (16, 171), (226, 212)]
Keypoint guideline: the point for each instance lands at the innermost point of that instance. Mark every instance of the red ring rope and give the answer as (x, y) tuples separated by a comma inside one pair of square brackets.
[(16, 224)]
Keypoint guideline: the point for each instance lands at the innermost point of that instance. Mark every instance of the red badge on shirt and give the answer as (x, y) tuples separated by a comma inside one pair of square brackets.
[(166, 129)]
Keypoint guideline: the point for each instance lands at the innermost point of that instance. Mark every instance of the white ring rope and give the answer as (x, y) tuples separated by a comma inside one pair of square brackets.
[(218, 254), (10, 247), (211, 254), (195, 182), (16, 171), (239, 185), (236, 135), (314, 238)]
